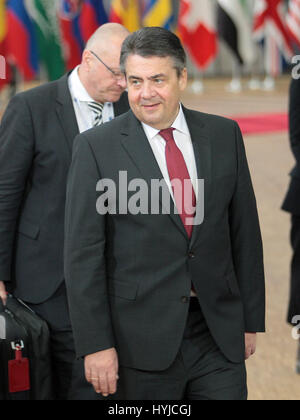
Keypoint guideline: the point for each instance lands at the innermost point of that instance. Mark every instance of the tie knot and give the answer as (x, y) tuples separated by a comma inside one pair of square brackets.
[(97, 107), (167, 134)]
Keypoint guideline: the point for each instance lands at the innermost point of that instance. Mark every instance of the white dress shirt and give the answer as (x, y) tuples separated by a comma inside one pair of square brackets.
[(80, 97), (183, 141)]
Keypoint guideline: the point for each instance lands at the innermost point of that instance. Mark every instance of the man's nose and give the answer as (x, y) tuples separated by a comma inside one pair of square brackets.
[(147, 91), (122, 82)]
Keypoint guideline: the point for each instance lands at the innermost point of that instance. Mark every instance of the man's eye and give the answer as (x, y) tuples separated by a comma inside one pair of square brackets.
[(158, 81), (135, 82)]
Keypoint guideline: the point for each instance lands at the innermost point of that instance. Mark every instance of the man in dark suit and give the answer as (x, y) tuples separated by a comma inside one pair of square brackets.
[(36, 139), (162, 305), (291, 204)]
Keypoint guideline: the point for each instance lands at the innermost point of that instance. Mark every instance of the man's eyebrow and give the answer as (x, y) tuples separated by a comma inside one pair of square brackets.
[(156, 76), (134, 77)]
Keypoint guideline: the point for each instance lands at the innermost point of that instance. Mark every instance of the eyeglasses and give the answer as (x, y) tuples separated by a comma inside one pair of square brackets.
[(117, 74)]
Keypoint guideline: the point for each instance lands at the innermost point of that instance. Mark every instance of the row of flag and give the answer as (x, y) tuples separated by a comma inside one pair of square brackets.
[(54, 32), (246, 26)]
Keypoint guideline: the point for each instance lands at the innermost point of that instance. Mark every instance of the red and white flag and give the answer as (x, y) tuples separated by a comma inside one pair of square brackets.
[(293, 20), (197, 29), (270, 23)]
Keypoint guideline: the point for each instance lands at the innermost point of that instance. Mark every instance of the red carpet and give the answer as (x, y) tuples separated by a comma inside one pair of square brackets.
[(262, 123)]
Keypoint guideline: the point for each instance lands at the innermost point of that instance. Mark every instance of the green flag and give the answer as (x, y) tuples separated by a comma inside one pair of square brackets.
[(43, 13)]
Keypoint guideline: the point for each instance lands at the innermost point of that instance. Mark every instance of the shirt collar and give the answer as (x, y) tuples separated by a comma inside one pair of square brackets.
[(179, 124), (81, 93)]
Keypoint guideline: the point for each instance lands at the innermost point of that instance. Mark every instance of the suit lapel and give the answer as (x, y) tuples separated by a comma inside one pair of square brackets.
[(65, 112), (138, 148), (202, 152)]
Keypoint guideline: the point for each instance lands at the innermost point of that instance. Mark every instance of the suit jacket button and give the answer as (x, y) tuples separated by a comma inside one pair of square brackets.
[(184, 299), (191, 255)]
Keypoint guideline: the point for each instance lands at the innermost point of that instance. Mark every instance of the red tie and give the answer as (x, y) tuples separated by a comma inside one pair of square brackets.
[(185, 198)]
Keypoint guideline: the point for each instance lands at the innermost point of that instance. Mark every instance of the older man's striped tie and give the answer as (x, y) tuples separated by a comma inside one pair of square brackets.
[(97, 109)]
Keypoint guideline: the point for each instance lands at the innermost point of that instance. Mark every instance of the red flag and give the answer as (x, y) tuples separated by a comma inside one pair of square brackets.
[(93, 15), (293, 20), (197, 29), (78, 20), (269, 23), (21, 39), (73, 44)]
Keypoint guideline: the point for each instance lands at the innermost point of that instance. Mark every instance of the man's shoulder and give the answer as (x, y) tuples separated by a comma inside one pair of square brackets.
[(42, 93), (109, 131), (105, 135), (210, 119)]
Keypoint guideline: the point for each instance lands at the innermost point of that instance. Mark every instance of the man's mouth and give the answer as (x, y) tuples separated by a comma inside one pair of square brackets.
[(150, 106)]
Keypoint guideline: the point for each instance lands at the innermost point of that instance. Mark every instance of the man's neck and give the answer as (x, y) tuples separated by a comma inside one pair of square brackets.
[(84, 82)]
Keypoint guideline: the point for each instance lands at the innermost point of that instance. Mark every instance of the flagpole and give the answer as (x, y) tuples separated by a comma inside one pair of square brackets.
[(254, 82), (197, 84), (270, 63), (256, 70), (235, 86)]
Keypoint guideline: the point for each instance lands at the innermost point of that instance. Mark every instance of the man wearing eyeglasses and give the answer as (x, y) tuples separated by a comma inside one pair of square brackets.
[(36, 139), (94, 85)]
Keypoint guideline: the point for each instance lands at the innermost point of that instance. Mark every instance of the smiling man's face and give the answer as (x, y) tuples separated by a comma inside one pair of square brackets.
[(154, 89)]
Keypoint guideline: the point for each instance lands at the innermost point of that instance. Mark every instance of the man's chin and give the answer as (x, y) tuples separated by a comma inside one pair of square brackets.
[(152, 122), (115, 97)]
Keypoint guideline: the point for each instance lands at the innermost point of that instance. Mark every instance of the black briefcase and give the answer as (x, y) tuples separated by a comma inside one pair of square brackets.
[(25, 365)]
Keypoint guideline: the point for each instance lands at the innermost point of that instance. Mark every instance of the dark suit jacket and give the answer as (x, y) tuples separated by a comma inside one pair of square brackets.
[(129, 276), (36, 138), (291, 202)]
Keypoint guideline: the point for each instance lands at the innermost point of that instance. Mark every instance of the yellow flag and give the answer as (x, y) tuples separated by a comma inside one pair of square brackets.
[(2, 20), (158, 13), (127, 13)]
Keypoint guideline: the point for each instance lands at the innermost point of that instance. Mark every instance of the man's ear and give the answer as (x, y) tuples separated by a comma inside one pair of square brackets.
[(183, 79), (86, 59)]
